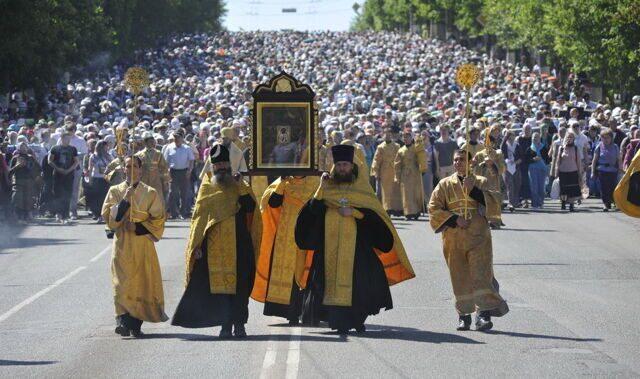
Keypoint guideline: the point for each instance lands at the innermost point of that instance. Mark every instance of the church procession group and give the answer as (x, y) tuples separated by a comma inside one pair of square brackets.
[(320, 250)]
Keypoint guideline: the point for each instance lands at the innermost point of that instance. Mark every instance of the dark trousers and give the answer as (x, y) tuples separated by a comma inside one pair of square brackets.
[(62, 189), (608, 182), (98, 190), (179, 194)]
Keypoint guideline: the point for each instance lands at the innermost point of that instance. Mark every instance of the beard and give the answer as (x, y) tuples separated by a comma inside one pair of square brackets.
[(343, 178), (222, 176)]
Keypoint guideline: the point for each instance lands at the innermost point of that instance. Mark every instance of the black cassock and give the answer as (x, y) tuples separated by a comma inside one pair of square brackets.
[(293, 310), (199, 308), (370, 291)]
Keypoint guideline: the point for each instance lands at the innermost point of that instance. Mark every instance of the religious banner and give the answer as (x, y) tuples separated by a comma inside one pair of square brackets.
[(283, 136)]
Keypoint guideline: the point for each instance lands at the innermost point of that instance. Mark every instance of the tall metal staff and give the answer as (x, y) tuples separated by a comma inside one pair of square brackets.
[(467, 76), (136, 79)]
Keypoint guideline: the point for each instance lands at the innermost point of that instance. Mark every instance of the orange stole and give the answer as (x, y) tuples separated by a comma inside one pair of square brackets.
[(270, 221)]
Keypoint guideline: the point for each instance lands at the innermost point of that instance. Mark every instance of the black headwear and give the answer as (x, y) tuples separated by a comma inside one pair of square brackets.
[(219, 153), (342, 153)]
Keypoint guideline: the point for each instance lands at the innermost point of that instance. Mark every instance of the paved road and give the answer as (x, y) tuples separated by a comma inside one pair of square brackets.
[(572, 281)]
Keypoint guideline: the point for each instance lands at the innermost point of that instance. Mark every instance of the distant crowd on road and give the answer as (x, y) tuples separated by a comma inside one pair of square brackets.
[(393, 96)]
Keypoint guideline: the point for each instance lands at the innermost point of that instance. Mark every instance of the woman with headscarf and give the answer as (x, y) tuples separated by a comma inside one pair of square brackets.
[(537, 157), (98, 163), (605, 166), (568, 170)]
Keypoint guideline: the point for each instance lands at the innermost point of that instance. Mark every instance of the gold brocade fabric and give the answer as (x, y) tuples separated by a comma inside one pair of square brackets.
[(221, 256), (407, 173), (280, 259), (473, 149), (451, 193), (114, 172), (383, 169), (339, 258), (468, 252), (622, 190), (214, 219), (492, 172), (155, 171), (259, 184), (339, 255), (135, 270)]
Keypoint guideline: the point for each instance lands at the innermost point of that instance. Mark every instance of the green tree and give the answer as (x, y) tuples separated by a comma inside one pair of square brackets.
[(41, 38)]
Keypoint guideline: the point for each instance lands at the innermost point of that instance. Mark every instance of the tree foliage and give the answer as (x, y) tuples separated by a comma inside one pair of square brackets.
[(43, 38)]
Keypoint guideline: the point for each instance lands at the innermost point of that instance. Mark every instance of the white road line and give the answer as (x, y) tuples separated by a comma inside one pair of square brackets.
[(293, 356), (33, 298), (270, 356), (100, 254)]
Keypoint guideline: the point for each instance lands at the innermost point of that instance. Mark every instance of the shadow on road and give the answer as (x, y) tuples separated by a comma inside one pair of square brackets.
[(531, 264), (525, 230), (255, 337), (385, 332), (542, 336), (13, 243), (373, 332), (4, 362)]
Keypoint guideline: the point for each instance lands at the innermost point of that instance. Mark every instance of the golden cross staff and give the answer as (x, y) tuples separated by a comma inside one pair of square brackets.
[(467, 76), (136, 79)]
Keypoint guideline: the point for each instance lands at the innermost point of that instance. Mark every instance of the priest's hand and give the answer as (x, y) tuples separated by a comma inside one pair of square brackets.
[(324, 179), (462, 223), (345, 211), (197, 252), (130, 226), (468, 183), (129, 193)]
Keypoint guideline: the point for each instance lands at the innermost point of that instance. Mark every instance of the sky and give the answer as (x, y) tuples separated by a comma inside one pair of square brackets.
[(268, 15)]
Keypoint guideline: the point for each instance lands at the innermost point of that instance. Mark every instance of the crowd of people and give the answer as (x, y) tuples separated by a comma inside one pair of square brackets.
[(393, 96)]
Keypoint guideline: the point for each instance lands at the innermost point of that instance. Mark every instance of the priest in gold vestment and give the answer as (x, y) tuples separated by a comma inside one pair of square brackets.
[(383, 170), (134, 214), (155, 172), (461, 209), (220, 255), (357, 253), (283, 268), (407, 174), (490, 164)]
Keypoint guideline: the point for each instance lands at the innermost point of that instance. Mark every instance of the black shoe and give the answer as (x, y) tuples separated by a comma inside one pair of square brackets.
[(343, 332), (239, 331), (483, 322), (294, 322), (225, 332), (464, 322), (361, 328), (123, 330), (563, 206), (571, 208), (137, 333)]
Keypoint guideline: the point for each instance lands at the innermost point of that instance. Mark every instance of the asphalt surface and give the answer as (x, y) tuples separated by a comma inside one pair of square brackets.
[(572, 282)]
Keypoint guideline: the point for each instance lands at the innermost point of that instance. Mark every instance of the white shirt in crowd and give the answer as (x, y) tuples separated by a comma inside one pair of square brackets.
[(178, 158)]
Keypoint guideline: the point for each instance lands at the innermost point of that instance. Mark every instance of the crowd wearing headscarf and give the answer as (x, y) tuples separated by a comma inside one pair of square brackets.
[(366, 84)]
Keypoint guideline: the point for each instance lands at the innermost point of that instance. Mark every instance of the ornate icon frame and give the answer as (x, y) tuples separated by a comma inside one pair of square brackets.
[(283, 92)]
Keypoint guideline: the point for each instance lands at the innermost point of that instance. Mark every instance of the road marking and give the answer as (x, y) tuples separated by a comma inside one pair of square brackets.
[(33, 298), (100, 254), (269, 356), (293, 356)]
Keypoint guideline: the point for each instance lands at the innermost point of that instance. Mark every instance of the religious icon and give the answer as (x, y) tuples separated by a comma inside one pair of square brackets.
[(284, 128)]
